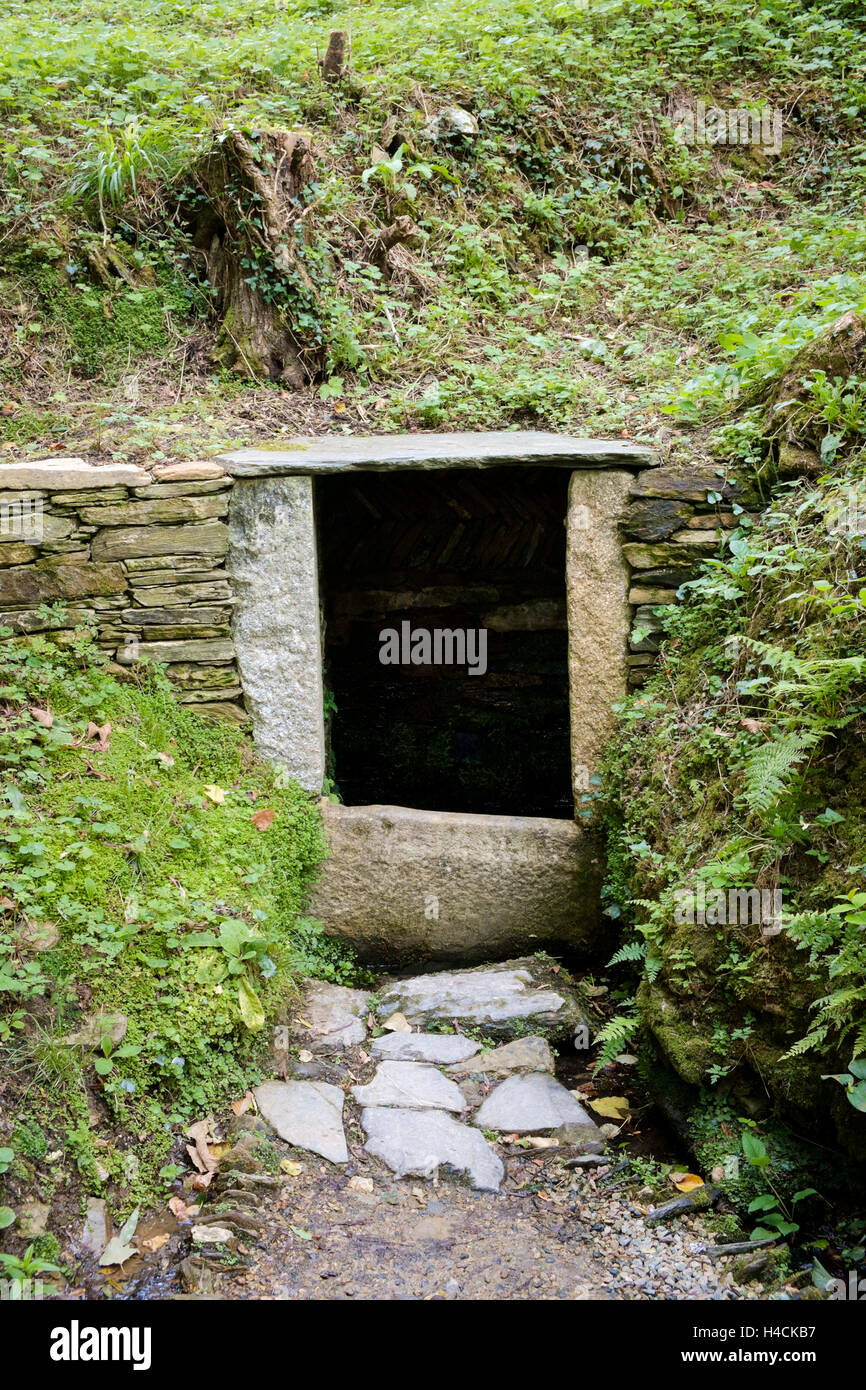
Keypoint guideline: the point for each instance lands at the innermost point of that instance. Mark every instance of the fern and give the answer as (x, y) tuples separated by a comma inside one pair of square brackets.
[(768, 770), (635, 950), (616, 1034)]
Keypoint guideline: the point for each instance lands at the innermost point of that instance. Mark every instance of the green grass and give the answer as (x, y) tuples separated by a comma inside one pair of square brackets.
[(170, 904), (707, 267)]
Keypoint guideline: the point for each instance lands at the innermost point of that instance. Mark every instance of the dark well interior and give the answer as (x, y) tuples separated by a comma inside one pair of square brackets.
[(448, 549)]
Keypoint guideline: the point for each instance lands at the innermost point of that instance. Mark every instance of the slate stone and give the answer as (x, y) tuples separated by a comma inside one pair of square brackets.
[(17, 553), (307, 1114), (530, 1104), (160, 510), (418, 1143), (130, 542), (57, 579), (218, 650), (335, 1014), (410, 1084), (345, 453), (655, 518), (439, 1048), (175, 595), (177, 617), (492, 997), (60, 474), (17, 528), (523, 1055), (187, 472)]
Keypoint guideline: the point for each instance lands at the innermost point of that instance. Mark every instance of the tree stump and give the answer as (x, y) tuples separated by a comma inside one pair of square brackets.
[(251, 226), (334, 62)]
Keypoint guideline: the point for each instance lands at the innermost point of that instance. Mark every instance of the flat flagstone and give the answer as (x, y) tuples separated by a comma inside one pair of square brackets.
[(418, 1143), (410, 1084), (494, 998), (439, 1048), (460, 449), (308, 1114), (523, 1055), (528, 1104), (335, 1015)]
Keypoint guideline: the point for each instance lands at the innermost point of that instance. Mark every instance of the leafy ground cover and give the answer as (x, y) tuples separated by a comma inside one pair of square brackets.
[(152, 871), (576, 265)]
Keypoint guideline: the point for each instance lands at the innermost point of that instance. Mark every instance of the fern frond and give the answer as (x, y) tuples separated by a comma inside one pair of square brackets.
[(635, 950), (768, 769), (614, 1037)]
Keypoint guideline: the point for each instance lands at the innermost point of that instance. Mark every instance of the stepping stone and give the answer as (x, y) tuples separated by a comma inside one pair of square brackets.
[(524, 1054), (308, 1114), (495, 998), (417, 1143), (425, 1047), (412, 1085), (528, 1104), (335, 1015)]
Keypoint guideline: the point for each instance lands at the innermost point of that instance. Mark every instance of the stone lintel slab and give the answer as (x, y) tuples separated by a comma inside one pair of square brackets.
[(380, 453), (599, 618), (273, 565), (65, 474), (404, 885)]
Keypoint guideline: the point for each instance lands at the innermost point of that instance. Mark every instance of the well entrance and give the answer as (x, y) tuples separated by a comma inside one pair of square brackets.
[(464, 829), (419, 570)]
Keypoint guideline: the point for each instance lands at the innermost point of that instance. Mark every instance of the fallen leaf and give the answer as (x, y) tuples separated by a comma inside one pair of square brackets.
[(397, 1023), (305, 1055), (541, 1141), (754, 726), (688, 1182), (101, 733), (291, 1168), (614, 1107), (300, 1233), (198, 1150), (42, 716), (180, 1209), (90, 771), (154, 1243), (201, 1181), (214, 794), (240, 1107), (166, 759), (118, 1250), (262, 819)]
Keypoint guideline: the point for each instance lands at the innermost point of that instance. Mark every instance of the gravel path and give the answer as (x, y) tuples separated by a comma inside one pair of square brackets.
[(551, 1233)]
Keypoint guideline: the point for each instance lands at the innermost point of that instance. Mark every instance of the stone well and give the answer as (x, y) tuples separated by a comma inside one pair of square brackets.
[(218, 569)]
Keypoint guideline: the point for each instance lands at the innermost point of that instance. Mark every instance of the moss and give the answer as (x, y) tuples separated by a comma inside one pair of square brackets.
[(158, 878), (679, 1032)]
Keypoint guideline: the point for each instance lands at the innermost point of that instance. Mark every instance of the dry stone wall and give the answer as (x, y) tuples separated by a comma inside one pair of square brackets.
[(141, 556), (138, 556)]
